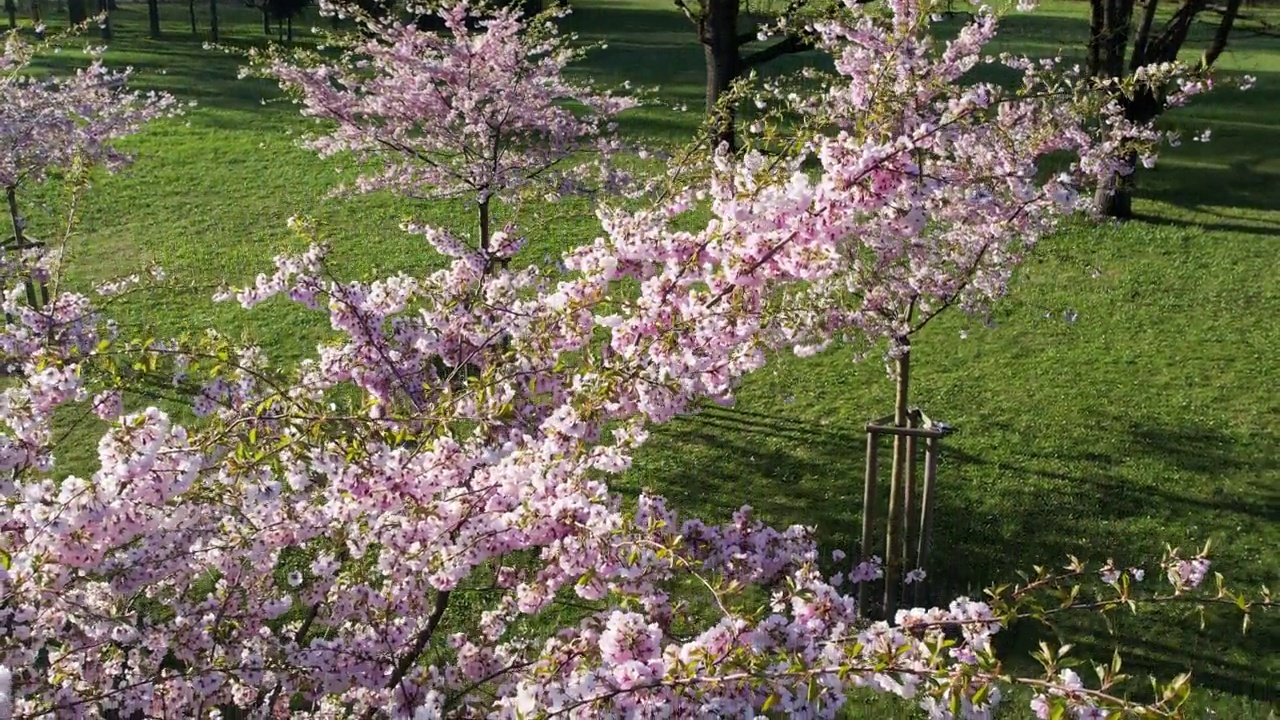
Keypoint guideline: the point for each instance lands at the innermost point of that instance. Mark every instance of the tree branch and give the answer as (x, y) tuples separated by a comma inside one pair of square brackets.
[(1165, 48), (419, 644), (793, 44), (684, 8), (1220, 37), (1143, 37)]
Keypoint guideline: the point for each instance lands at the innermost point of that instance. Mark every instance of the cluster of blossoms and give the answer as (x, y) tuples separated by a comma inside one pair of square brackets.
[(381, 531), (49, 123)]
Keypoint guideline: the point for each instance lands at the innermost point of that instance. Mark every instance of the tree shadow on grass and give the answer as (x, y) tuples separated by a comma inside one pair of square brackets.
[(797, 472)]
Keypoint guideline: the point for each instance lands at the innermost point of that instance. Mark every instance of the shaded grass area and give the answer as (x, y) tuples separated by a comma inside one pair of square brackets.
[(1152, 418)]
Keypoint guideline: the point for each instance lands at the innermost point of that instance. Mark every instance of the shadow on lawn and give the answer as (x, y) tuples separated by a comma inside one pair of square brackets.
[(792, 471)]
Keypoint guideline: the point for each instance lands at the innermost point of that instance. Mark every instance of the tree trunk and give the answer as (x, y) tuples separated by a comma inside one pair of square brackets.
[(77, 11), (213, 20), (280, 30), (718, 32), (1143, 39), (288, 24), (1114, 197), (153, 18), (1109, 22), (11, 8), (266, 21), (15, 217), (1109, 27), (1222, 34), (104, 9), (36, 20), (20, 240), (895, 515), (191, 6)]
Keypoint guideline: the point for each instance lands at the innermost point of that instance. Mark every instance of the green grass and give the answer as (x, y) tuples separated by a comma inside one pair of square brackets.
[(1153, 418)]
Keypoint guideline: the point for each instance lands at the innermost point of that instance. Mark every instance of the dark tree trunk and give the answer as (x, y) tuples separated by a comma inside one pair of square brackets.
[(1223, 33), (153, 18), (266, 22), (280, 30), (213, 20), (76, 11), (36, 19), (1114, 196), (11, 7), (1142, 40), (104, 9), (1109, 33), (718, 33), (1108, 36), (191, 6), (288, 24)]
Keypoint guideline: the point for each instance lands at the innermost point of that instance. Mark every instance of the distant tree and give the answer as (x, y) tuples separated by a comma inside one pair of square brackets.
[(104, 12), (77, 11), (213, 20), (1117, 49), (381, 9), (191, 8), (36, 19), (12, 9), (725, 28), (153, 17), (282, 11), (264, 7)]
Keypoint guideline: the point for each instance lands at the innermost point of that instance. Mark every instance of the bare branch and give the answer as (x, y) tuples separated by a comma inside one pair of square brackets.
[(792, 44), (1220, 37), (684, 8), (1143, 37)]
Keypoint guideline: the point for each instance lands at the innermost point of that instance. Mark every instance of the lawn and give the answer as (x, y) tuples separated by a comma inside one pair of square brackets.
[(1151, 418)]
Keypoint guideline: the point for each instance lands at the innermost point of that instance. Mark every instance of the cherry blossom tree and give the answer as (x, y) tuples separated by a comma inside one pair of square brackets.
[(62, 124), (418, 521), (480, 111)]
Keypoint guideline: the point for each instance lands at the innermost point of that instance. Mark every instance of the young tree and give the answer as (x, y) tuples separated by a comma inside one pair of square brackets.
[(373, 532), (62, 124), (11, 9), (474, 112)]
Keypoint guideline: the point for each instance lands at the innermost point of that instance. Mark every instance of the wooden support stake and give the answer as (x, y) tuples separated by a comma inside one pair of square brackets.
[(892, 561), (868, 511), (909, 558), (926, 512)]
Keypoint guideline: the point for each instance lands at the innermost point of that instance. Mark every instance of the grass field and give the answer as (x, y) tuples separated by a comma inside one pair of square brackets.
[(1152, 418)]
